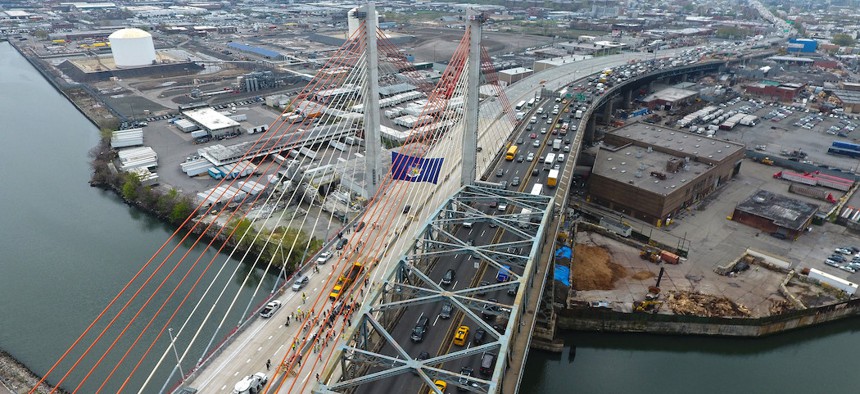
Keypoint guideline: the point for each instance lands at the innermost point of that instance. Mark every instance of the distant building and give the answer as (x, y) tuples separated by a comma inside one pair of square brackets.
[(513, 75), (850, 100), (774, 90), (775, 214), (670, 98), (212, 121), (651, 172), (802, 45)]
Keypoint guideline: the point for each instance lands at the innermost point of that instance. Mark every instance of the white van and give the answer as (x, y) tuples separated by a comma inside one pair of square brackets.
[(561, 158)]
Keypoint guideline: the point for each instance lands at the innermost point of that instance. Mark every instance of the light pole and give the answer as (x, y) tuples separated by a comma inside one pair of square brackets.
[(175, 353)]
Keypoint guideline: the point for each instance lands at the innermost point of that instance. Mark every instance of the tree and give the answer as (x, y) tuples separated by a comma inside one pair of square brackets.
[(131, 187), (843, 40), (181, 210)]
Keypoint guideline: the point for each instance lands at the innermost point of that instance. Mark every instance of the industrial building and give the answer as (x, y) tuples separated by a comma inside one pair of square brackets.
[(802, 45), (776, 214), (669, 98), (513, 75), (651, 172), (776, 91), (850, 100), (215, 123), (547, 64)]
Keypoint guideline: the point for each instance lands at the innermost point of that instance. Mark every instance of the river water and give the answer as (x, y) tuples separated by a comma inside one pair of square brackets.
[(67, 249)]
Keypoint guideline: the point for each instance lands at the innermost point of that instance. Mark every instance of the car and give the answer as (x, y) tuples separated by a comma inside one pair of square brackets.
[(270, 309), (533, 135), (843, 251), (461, 336), (420, 329), (512, 291), (543, 130), (600, 304), (502, 206), (301, 281), (520, 158), (515, 181), (567, 149), (480, 335), (449, 277), (536, 144), (520, 141), (324, 257), (359, 227), (504, 184), (441, 385), (482, 284), (556, 167), (464, 380), (447, 309), (549, 121), (554, 131), (488, 362), (489, 310), (251, 384), (530, 157), (406, 209), (837, 257), (535, 171), (341, 244), (500, 173)]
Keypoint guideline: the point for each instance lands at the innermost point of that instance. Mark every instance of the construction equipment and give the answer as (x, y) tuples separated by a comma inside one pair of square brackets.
[(651, 255), (647, 306), (767, 161)]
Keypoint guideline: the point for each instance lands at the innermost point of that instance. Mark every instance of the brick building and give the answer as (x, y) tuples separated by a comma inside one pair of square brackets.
[(775, 214), (651, 172)]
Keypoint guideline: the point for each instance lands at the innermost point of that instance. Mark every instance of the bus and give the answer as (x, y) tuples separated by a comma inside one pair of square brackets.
[(537, 189), (520, 105), (550, 159), (531, 102), (512, 153)]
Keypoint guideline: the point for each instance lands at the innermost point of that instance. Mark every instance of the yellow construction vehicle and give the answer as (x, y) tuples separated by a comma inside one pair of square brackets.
[(767, 161), (647, 306)]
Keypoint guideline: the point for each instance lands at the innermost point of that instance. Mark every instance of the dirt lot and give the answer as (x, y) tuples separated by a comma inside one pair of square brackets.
[(438, 44), (607, 270)]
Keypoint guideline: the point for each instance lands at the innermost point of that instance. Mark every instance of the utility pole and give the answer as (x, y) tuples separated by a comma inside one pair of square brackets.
[(470, 135)]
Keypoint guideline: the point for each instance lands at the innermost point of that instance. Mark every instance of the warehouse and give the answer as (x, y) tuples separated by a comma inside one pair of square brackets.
[(215, 123), (513, 75), (774, 90), (651, 173), (778, 215), (670, 98)]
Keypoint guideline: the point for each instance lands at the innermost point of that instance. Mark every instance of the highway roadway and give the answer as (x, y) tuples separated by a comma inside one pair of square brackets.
[(439, 337), (269, 339)]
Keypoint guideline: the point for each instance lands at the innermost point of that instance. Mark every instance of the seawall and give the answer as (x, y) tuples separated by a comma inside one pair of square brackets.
[(596, 319)]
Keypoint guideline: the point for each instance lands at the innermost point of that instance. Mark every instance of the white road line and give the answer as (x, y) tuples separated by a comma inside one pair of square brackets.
[(435, 321), (419, 317), (235, 353), (482, 233), (261, 348), (224, 387), (455, 285), (247, 361)]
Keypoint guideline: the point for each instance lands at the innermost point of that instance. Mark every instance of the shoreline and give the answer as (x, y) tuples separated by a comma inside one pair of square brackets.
[(14, 376)]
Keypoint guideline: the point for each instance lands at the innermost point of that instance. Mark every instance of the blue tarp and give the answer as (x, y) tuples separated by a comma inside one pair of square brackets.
[(562, 274), (563, 252)]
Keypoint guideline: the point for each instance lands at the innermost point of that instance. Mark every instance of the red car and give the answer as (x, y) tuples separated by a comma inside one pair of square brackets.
[(533, 135)]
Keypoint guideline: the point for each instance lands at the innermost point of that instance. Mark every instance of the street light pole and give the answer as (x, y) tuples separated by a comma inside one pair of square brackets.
[(175, 353)]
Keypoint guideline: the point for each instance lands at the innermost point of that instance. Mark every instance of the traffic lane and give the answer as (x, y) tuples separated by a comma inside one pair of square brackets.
[(438, 327)]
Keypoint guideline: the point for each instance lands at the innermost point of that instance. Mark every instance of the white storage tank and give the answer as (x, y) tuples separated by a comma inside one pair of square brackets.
[(132, 48)]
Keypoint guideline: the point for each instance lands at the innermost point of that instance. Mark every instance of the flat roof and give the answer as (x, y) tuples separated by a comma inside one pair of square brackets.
[(848, 96), (633, 165), (558, 61), (671, 95), (683, 142), (781, 210), (515, 71), (791, 59), (210, 119)]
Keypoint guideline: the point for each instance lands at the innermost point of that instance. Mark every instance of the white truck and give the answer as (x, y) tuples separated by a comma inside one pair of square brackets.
[(578, 114), (251, 384), (556, 144)]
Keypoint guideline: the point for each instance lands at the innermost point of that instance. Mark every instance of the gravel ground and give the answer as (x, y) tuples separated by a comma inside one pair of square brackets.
[(17, 378)]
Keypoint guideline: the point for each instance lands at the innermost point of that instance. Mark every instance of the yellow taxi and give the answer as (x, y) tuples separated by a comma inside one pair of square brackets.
[(441, 385), (461, 336)]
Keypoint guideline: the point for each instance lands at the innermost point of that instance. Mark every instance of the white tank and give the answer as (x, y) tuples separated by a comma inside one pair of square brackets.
[(132, 48)]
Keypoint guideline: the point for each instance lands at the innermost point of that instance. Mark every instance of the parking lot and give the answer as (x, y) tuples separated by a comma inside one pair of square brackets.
[(799, 134)]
